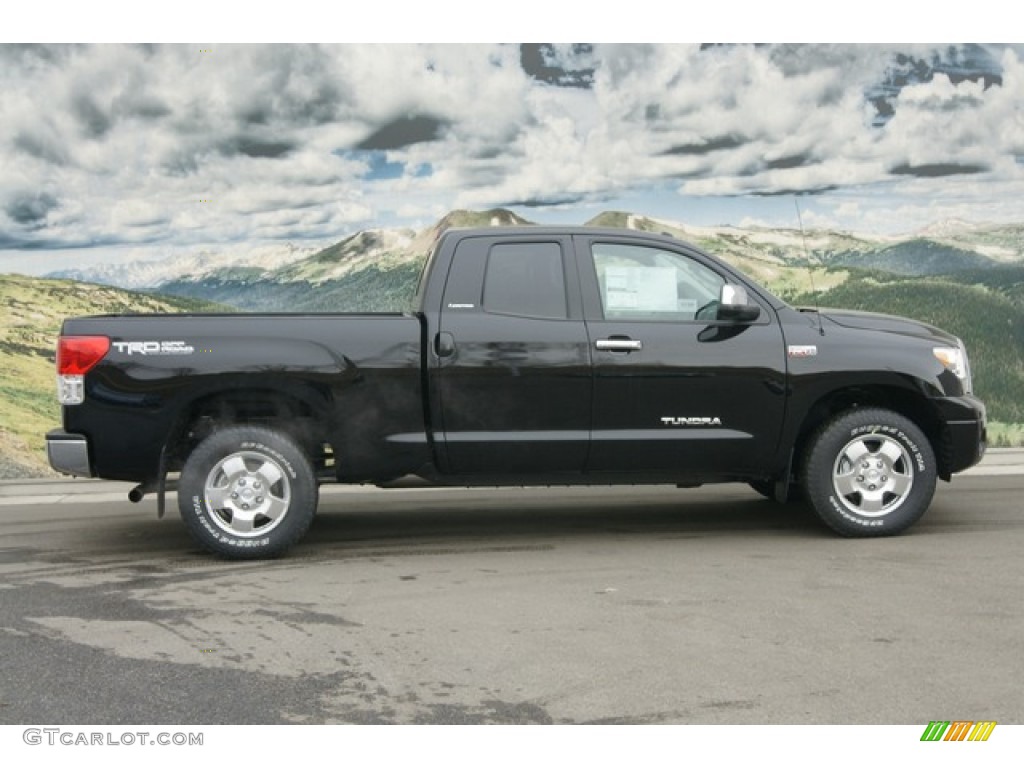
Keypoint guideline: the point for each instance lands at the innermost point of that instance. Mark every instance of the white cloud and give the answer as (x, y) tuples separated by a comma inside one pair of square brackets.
[(119, 144)]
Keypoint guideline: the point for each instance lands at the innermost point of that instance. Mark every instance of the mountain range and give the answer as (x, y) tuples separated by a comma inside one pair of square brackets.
[(376, 269)]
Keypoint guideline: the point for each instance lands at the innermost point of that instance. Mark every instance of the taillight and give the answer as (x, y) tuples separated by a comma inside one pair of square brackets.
[(76, 356)]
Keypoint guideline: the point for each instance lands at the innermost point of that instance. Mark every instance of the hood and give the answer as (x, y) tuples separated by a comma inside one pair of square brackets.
[(872, 321)]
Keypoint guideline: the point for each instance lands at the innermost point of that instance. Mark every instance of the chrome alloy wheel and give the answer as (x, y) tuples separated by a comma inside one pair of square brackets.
[(248, 494), (873, 475)]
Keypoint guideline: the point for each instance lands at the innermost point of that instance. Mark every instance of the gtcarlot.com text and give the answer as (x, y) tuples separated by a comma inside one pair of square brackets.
[(61, 737)]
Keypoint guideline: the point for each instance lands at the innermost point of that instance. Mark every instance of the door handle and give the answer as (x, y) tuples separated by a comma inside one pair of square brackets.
[(444, 344), (619, 345)]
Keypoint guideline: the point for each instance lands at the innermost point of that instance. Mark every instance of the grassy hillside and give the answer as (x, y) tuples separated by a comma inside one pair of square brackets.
[(368, 289), (913, 257), (1006, 281), (33, 310)]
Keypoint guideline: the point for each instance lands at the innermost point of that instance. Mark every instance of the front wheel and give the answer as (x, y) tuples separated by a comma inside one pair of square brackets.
[(247, 492), (869, 472)]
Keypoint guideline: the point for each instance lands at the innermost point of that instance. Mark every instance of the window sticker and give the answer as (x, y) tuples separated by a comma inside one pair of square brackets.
[(641, 289)]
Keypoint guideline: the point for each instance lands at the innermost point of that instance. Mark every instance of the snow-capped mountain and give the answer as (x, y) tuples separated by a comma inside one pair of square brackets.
[(147, 275)]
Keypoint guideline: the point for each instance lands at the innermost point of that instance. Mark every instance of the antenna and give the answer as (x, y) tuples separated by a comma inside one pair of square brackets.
[(810, 267)]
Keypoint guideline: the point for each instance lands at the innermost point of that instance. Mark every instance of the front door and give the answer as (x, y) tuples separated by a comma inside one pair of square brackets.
[(676, 392)]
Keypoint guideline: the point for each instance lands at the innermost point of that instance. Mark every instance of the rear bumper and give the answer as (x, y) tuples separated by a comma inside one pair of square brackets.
[(68, 453)]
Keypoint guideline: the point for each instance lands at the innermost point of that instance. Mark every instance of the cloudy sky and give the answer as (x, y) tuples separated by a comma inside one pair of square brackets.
[(117, 152)]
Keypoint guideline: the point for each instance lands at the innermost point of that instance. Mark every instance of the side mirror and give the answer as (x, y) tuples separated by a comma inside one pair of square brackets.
[(735, 307)]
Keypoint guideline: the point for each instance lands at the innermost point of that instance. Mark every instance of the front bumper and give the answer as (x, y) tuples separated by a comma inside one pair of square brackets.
[(966, 437), (68, 453)]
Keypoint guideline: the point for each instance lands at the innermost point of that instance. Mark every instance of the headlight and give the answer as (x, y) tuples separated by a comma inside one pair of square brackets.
[(955, 361)]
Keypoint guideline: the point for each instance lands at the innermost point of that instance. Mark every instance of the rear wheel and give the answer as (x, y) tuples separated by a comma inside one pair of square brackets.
[(869, 472), (247, 492)]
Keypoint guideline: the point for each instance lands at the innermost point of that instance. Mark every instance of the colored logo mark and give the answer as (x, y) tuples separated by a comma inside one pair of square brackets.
[(958, 730)]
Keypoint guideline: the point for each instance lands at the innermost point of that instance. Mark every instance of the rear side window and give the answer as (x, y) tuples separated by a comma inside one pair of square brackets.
[(526, 279)]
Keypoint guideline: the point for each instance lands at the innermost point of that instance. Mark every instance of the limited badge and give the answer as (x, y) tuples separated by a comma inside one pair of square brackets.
[(802, 350)]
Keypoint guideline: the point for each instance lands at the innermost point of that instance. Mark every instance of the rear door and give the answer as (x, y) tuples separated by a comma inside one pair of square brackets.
[(676, 392), (514, 376)]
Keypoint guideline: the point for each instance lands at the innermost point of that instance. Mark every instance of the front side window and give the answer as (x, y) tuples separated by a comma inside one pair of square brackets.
[(646, 283), (526, 279)]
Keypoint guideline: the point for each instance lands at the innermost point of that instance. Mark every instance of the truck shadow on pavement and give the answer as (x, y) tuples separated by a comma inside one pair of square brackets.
[(531, 518)]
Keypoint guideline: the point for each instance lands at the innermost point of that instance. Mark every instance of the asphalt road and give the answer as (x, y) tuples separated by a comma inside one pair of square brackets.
[(594, 605)]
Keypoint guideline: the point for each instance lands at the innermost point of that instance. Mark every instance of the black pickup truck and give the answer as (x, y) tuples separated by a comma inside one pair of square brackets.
[(534, 356)]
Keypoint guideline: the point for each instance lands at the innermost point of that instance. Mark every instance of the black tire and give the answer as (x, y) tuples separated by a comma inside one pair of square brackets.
[(869, 472), (247, 493)]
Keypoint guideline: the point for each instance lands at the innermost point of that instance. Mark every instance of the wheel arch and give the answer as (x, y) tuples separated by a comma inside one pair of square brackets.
[(300, 411), (906, 402)]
